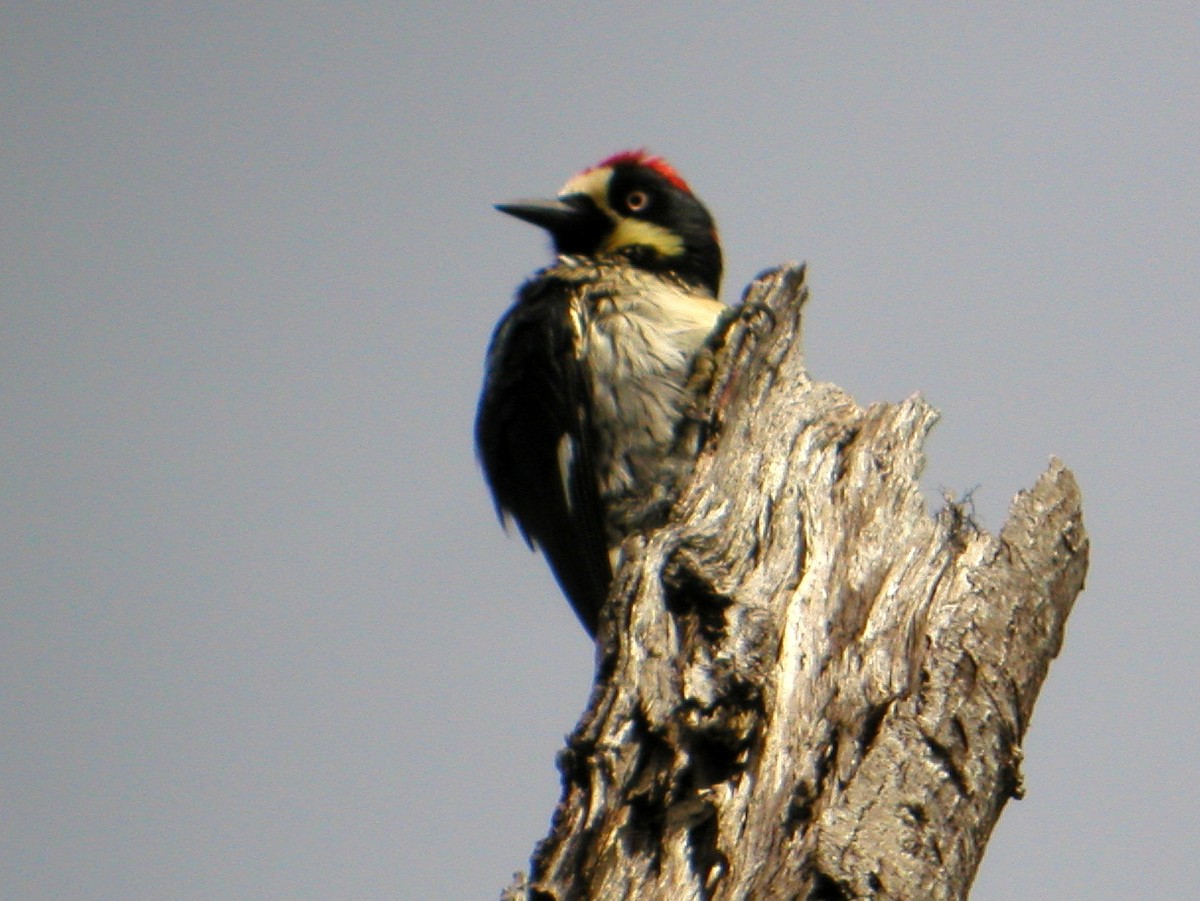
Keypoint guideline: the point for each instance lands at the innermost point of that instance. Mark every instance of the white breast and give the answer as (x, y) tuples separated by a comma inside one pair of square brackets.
[(639, 347)]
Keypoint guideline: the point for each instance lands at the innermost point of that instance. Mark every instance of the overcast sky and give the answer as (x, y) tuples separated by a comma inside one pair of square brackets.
[(261, 636)]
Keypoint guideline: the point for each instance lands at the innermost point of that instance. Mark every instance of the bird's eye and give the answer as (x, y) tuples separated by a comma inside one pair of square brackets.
[(636, 201)]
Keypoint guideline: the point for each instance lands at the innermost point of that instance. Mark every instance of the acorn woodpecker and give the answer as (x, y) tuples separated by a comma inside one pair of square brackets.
[(587, 374)]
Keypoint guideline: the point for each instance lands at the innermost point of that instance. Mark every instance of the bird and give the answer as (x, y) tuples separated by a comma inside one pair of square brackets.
[(587, 375)]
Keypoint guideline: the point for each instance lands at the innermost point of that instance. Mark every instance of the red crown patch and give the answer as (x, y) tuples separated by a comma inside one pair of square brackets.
[(642, 158)]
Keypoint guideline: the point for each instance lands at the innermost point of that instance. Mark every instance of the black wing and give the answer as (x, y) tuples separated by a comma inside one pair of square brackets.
[(534, 438)]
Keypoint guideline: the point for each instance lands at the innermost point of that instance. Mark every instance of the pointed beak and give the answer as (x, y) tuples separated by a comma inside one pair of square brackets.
[(558, 216)]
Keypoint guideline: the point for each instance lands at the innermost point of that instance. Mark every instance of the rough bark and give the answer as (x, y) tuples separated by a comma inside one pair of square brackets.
[(807, 686)]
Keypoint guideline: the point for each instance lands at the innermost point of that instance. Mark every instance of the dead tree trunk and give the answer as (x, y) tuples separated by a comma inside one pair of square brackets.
[(808, 687)]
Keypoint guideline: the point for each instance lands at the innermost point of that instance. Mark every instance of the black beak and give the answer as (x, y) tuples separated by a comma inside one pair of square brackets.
[(562, 214), (576, 224)]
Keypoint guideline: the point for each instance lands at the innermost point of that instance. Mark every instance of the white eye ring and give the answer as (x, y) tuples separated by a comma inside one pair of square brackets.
[(636, 201)]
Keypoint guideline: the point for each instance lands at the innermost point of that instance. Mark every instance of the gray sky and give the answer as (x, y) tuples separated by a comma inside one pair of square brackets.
[(260, 635)]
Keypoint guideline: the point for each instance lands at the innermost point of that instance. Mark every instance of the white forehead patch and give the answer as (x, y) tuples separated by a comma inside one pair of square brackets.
[(593, 183)]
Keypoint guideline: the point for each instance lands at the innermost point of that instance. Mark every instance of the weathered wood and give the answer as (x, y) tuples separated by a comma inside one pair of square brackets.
[(808, 687)]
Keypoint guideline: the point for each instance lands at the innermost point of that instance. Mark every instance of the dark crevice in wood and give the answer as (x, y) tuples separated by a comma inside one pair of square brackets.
[(870, 727), (825, 888), (945, 761), (707, 860), (688, 595)]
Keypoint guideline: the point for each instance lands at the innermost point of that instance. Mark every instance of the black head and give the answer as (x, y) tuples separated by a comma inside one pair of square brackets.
[(637, 206)]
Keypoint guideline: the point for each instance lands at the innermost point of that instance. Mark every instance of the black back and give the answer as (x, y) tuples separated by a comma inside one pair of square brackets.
[(535, 395)]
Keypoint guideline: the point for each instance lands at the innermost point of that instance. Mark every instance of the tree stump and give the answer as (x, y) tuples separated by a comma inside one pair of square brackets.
[(807, 687)]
